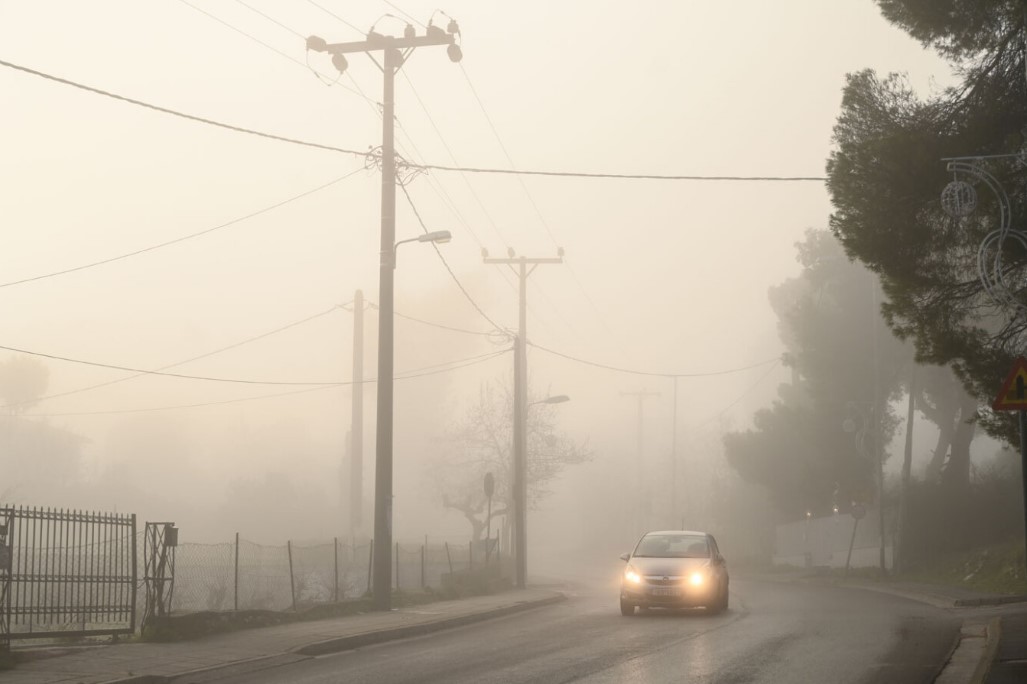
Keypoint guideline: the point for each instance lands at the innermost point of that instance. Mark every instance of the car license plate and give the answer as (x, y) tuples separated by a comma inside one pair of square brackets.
[(665, 591)]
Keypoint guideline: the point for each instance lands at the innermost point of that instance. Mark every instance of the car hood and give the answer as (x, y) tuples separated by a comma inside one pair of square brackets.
[(670, 567)]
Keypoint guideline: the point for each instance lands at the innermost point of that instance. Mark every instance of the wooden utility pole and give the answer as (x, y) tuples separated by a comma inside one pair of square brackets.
[(519, 265), (395, 51)]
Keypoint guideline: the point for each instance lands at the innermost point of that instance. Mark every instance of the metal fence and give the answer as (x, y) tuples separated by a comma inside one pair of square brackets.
[(243, 575), (66, 573)]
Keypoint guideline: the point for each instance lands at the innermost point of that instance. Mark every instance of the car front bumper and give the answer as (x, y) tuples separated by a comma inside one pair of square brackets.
[(681, 596)]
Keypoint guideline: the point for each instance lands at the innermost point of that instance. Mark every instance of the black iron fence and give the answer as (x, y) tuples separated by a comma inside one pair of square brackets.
[(66, 573)]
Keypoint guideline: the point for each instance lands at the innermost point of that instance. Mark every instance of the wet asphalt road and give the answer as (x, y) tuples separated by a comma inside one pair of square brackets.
[(773, 632)]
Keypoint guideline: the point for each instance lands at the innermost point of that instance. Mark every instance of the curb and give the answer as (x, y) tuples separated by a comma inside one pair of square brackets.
[(340, 644), (348, 643), (990, 601), (990, 651)]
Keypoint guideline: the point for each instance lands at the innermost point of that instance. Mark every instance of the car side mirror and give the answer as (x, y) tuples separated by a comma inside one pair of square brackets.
[(625, 557)]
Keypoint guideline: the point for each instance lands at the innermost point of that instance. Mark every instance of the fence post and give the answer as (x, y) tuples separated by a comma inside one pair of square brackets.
[(449, 559), (236, 591), (292, 582), (422, 566), (335, 547), (370, 565), (470, 555), (135, 575), (397, 566)]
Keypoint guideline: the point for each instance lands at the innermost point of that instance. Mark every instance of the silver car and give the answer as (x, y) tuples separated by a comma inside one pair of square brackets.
[(674, 569)]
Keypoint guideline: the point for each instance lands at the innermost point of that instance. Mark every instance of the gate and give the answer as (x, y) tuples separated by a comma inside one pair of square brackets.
[(66, 573), (160, 542)]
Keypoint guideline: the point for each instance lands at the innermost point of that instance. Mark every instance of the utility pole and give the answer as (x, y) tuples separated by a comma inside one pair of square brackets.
[(395, 51), (641, 520), (674, 460), (519, 265), (356, 463)]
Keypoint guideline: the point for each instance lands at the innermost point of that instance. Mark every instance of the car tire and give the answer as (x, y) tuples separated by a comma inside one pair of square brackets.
[(626, 608)]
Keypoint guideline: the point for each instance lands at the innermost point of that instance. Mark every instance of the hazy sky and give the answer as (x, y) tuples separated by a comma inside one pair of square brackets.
[(660, 276)]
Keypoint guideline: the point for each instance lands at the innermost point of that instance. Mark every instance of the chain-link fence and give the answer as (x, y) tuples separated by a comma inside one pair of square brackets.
[(243, 575)]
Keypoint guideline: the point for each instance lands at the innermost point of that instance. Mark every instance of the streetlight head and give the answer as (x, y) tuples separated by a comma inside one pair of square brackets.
[(558, 399), (317, 44), (455, 53), (438, 237), (340, 63)]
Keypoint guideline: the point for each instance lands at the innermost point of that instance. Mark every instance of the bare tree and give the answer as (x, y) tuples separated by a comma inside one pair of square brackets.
[(481, 442)]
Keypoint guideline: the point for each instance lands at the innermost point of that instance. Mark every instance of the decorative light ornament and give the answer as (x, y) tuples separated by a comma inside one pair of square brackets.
[(958, 199)]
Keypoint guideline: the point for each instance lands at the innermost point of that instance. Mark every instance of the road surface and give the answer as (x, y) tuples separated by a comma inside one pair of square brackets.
[(773, 632)]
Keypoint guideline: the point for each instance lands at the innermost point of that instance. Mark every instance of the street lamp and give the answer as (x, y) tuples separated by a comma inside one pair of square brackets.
[(382, 578), (520, 493), (437, 237), (557, 399)]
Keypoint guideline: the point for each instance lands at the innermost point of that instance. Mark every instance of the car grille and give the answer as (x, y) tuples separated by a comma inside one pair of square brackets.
[(661, 581)]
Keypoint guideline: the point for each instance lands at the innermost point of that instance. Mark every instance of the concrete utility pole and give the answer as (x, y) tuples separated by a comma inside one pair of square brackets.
[(356, 463), (519, 265), (641, 520), (395, 51)]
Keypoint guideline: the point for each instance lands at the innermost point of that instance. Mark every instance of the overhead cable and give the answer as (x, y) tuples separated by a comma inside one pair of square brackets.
[(435, 167), (651, 374), (441, 326), (182, 376), (741, 396), (173, 112), (445, 263), (183, 238), (235, 345), (409, 375)]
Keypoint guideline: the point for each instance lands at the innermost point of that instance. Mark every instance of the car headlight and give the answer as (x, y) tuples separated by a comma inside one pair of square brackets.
[(631, 575), (697, 579)]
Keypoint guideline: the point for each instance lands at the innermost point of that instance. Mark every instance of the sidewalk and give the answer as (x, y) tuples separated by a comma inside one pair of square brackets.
[(256, 649)]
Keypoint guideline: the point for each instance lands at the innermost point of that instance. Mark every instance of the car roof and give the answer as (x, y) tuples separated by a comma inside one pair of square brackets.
[(689, 533)]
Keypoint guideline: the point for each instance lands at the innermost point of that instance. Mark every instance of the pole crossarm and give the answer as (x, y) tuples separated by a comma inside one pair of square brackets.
[(377, 41)]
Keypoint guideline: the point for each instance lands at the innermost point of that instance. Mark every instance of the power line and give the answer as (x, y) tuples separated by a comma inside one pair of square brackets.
[(271, 19), (531, 200), (235, 345), (463, 363), (456, 280), (651, 374), (333, 14), (628, 176), (744, 394), (449, 151), (404, 13), (183, 238), (434, 167), (160, 373), (441, 326), (173, 112), (273, 49)]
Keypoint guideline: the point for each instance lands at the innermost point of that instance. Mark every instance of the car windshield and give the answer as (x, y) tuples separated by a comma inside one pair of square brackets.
[(673, 546)]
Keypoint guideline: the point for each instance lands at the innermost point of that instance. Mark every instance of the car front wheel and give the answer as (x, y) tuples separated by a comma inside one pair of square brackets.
[(626, 608)]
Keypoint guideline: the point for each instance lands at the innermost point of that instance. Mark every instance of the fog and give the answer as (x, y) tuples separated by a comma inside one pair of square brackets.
[(662, 277)]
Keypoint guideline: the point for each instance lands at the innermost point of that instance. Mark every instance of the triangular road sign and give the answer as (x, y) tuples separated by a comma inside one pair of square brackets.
[(1013, 395)]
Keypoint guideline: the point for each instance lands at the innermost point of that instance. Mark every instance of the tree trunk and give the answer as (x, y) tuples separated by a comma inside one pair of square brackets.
[(946, 428), (907, 461), (956, 475)]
